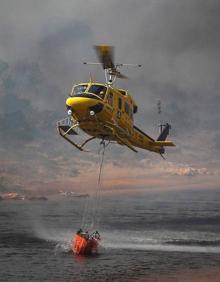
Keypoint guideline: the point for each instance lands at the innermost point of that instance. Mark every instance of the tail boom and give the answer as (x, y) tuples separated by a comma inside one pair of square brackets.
[(142, 140)]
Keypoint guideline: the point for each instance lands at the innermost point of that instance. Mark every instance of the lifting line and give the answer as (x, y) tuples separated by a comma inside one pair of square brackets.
[(94, 211)]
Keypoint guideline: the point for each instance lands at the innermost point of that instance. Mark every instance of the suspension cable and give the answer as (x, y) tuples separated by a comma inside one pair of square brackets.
[(96, 210), (91, 213)]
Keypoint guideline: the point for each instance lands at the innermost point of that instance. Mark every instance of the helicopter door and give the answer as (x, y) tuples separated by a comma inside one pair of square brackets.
[(110, 103), (110, 99), (121, 114), (127, 119)]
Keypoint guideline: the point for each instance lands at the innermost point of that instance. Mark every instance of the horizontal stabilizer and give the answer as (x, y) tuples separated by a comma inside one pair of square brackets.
[(163, 143)]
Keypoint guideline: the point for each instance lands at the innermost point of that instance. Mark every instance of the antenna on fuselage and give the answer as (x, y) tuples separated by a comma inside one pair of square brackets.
[(162, 124), (90, 77), (105, 54), (159, 110)]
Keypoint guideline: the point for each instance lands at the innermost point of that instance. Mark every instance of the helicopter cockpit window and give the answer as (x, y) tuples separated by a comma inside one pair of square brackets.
[(78, 90), (99, 90), (122, 92)]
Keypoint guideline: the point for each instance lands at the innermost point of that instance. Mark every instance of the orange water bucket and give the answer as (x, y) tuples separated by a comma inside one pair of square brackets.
[(79, 244)]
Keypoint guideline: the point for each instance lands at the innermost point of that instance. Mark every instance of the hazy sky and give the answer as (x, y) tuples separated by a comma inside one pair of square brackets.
[(42, 47)]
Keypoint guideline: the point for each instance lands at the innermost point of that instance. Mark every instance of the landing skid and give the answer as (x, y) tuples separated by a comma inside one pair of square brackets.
[(66, 128)]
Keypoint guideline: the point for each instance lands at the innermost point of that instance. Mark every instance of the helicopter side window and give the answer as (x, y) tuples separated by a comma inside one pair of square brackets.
[(99, 90), (135, 109), (78, 90), (119, 103), (127, 108), (110, 99), (131, 113)]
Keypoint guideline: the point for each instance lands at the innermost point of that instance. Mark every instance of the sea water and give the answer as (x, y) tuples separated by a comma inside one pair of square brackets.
[(142, 234)]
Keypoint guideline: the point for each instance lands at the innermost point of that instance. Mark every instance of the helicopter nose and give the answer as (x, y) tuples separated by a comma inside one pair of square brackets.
[(81, 105), (77, 103)]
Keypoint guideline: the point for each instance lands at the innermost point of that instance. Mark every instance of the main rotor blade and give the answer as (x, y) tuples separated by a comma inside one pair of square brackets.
[(120, 75), (106, 55)]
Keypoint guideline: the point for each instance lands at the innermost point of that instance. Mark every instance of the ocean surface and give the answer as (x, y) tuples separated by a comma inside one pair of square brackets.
[(143, 235)]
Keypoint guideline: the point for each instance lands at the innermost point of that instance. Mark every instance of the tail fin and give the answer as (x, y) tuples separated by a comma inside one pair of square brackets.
[(164, 132), (161, 140)]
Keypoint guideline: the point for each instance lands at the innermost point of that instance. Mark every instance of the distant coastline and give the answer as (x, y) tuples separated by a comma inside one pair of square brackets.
[(21, 197), (30, 197)]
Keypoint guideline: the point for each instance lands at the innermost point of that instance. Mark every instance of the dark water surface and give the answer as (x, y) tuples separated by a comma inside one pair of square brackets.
[(145, 234)]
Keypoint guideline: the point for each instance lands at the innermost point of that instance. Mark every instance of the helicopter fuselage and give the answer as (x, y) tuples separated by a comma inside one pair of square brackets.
[(106, 112)]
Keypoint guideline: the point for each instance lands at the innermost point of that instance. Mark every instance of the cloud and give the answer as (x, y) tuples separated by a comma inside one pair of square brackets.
[(177, 169), (146, 174), (185, 170)]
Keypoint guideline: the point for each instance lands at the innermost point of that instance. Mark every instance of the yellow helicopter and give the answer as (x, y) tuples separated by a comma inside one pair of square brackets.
[(106, 112)]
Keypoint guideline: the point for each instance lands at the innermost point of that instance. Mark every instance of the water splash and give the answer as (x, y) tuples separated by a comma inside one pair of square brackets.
[(166, 241), (54, 235), (62, 248)]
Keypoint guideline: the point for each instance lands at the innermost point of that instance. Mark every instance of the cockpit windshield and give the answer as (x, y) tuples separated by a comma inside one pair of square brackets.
[(78, 89), (99, 90)]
